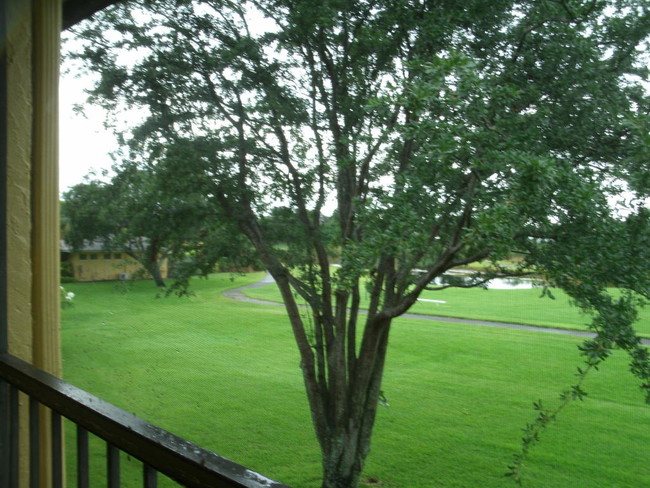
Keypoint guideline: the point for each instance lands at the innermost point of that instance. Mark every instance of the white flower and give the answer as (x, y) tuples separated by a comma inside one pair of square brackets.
[(66, 297)]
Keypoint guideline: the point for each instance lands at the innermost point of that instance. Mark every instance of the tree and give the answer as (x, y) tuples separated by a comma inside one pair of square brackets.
[(132, 213), (443, 133)]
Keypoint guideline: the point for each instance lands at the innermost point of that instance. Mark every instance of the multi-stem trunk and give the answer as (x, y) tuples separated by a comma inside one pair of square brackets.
[(342, 381), (343, 461), (344, 433)]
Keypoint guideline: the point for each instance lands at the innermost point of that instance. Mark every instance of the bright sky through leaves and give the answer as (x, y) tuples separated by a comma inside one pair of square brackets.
[(85, 144)]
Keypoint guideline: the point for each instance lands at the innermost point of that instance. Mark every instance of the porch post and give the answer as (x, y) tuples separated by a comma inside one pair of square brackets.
[(45, 186), (46, 18), (29, 293)]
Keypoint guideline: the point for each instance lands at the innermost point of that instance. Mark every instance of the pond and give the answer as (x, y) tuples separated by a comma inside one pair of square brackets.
[(460, 277)]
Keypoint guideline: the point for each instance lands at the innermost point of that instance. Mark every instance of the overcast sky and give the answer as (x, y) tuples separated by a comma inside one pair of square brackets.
[(85, 144)]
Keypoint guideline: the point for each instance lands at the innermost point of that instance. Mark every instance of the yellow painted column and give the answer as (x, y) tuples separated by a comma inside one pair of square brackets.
[(46, 24), (45, 186)]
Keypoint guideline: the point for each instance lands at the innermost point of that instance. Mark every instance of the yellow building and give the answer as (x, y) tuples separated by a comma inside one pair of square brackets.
[(95, 263)]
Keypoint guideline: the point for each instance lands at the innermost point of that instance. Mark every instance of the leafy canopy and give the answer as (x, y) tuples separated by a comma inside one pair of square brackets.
[(441, 133)]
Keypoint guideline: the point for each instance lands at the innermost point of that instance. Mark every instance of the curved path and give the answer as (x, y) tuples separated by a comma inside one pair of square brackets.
[(237, 294)]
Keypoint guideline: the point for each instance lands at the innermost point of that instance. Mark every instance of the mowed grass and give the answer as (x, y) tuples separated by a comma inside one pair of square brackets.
[(225, 375), (524, 306)]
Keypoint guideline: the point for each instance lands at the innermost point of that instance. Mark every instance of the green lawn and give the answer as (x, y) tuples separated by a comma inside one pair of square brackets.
[(225, 375), (513, 306)]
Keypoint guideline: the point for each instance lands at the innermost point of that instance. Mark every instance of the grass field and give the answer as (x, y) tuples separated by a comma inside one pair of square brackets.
[(523, 306), (225, 375)]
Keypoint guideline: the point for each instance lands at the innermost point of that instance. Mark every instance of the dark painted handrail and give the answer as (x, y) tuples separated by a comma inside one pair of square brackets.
[(167, 453)]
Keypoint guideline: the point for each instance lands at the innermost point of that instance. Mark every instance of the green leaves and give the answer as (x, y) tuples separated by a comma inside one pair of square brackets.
[(406, 138)]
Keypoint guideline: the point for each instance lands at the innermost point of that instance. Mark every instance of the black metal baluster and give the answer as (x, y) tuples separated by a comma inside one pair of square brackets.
[(57, 448), (14, 436), (9, 431), (150, 476), (113, 466), (5, 434), (34, 443), (83, 463)]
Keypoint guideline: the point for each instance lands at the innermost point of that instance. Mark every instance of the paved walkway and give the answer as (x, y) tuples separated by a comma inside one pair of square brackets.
[(237, 294)]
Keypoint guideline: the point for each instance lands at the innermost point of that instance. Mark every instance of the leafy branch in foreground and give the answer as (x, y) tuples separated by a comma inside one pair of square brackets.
[(614, 330), (545, 417)]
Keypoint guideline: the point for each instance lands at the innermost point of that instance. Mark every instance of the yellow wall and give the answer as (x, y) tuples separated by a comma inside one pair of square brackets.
[(19, 159), (97, 268)]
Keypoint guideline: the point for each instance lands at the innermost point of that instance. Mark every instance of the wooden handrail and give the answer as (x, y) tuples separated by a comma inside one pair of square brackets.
[(171, 455)]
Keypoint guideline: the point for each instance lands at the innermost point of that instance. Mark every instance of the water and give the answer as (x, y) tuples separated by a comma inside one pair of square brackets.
[(463, 277), (512, 283)]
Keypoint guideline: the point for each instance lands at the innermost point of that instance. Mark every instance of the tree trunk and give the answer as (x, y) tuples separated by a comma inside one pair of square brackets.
[(343, 384), (345, 441), (343, 463), (152, 264), (154, 270)]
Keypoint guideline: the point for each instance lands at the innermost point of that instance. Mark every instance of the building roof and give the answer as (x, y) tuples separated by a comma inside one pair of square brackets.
[(102, 245), (88, 246)]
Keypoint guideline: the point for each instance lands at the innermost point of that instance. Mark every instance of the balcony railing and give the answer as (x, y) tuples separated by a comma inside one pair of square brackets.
[(159, 450)]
